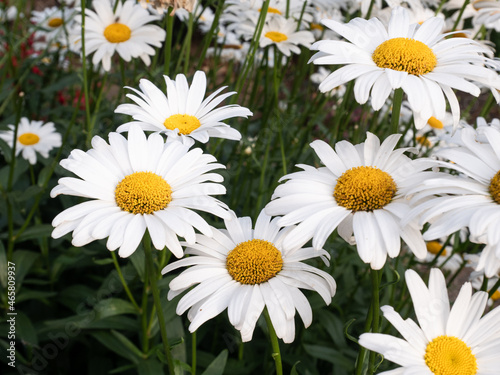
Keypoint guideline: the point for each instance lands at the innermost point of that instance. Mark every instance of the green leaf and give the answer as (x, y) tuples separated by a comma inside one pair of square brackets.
[(3, 266), (137, 259), (102, 262), (25, 330), (218, 364), (150, 366), (333, 325), (35, 232), (112, 343), (24, 260), (22, 196), (6, 150), (26, 295), (330, 355), (127, 343), (113, 306), (294, 369)]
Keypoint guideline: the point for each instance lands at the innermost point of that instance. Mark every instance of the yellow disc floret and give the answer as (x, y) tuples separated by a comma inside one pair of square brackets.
[(143, 193), (364, 189), (405, 55), (271, 10), (447, 355), (494, 188), (254, 262), (435, 123), (434, 247), (55, 22), (28, 139), (276, 36), (185, 123), (117, 33)]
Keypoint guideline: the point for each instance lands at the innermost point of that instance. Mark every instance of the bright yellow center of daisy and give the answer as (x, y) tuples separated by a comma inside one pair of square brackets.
[(185, 123), (364, 189), (423, 140), (316, 26), (435, 123), (495, 296), (55, 22), (28, 139), (143, 193), (495, 187), (254, 262), (271, 10), (434, 247), (276, 36), (448, 355), (405, 55), (117, 33)]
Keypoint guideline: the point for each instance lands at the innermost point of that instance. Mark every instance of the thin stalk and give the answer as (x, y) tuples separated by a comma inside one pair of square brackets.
[(124, 283), (85, 78), (144, 319), (460, 14), (375, 276), (193, 353), (494, 288), (168, 42), (151, 271), (188, 43), (396, 110), (274, 343), (362, 350), (210, 34)]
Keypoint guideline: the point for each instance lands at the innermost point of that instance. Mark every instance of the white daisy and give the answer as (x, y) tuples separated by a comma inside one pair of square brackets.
[(138, 184), (182, 111), (124, 31), (244, 270), (417, 58), (488, 14), (470, 199), (33, 137), (446, 260), (446, 341), (360, 192), (52, 23)]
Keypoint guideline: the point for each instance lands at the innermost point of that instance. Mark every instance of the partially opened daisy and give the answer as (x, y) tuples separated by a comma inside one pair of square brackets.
[(138, 184), (360, 192), (246, 270), (33, 137), (183, 111), (125, 31), (416, 58), (469, 199), (456, 341)]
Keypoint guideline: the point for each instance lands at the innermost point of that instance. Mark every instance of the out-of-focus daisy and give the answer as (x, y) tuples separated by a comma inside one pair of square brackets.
[(360, 192), (488, 14), (183, 110), (162, 5), (125, 31), (320, 75), (471, 198), (282, 33), (416, 58), (33, 137), (138, 184), (52, 23), (446, 341), (244, 270), (477, 280), (446, 260)]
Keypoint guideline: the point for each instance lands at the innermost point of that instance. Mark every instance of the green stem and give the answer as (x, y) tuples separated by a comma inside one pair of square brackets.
[(193, 353), (466, 2), (151, 271), (124, 283), (396, 110), (375, 276), (274, 343), (85, 78), (362, 350), (494, 288), (144, 319), (188, 43), (168, 42)]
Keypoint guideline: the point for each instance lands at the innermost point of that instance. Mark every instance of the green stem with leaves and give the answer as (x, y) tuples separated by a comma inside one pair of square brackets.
[(274, 343)]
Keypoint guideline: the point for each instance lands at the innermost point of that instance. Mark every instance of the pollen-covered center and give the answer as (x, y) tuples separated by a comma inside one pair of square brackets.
[(364, 188), (185, 123), (447, 355), (271, 10), (143, 193), (117, 33), (254, 262), (276, 36), (28, 139), (406, 55), (55, 22), (434, 247), (495, 187), (435, 123)]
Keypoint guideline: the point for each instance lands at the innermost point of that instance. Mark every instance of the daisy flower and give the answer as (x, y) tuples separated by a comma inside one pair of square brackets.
[(32, 137), (417, 58), (138, 184), (446, 341), (244, 270), (125, 31), (51, 23), (360, 192), (182, 111), (488, 14), (445, 260), (470, 199)]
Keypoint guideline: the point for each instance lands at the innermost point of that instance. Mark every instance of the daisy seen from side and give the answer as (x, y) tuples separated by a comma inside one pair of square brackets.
[(416, 58), (33, 137), (182, 111), (360, 192), (246, 270), (126, 31), (446, 341), (136, 185)]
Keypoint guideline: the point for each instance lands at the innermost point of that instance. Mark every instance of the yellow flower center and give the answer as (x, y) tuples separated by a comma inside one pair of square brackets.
[(117, 33), (495, 187), (143, 193), (316, 26), (448, 355), (276, 36), (435, 123), (434, 247), (364, 189), (55, 22), (28, 139), (406, 55), (271, 10), (254, 262), (495, 296), (185, 123), (423, 140)]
